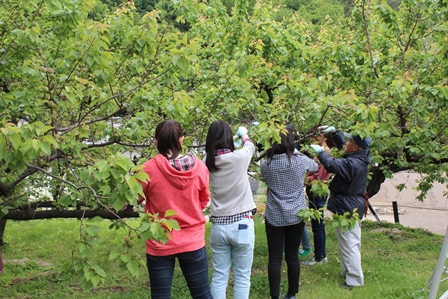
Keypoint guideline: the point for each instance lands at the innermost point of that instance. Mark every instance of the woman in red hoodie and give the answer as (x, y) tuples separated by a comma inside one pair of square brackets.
[(180, 183)]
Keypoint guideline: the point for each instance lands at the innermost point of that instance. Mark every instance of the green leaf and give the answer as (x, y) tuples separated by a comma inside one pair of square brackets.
[(133, 184), (99, 270), (53, 4), (184, 64), (154, 229), (144, 226), (97, 219), (122, 164), (50, 139), (132, 266), (114, 255), (169, 213), (95, 279), (21, 37), (16, 141), (93, 230), (43, 129), (125, 258), (45, 147)]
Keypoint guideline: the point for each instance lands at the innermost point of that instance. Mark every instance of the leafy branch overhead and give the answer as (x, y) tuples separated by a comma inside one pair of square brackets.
[(80, 98)]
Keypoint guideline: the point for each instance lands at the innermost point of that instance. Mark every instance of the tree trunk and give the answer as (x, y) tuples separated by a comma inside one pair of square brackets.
[(374, 185), (1, 262), (32, 214)]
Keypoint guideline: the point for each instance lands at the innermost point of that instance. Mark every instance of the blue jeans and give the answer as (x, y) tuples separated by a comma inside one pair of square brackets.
[(194, 265), (306, 239), (317, 226), (232, 242), (277, 236)]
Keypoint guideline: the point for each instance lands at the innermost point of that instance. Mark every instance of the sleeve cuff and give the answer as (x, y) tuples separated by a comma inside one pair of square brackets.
[(247, 140)]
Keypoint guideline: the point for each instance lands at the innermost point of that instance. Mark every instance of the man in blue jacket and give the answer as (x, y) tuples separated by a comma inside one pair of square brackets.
[(347, 190)]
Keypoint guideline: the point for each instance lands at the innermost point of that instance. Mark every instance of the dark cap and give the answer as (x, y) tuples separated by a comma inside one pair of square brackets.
[(362, 143)]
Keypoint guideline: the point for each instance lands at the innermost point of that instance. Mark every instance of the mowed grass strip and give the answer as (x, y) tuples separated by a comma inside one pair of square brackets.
[(397, 262)]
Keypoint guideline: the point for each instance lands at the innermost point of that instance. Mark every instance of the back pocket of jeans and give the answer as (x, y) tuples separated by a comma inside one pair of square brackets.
[(244, 236)]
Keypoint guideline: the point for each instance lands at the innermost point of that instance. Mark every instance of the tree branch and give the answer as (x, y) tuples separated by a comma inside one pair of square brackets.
[(369, 47), (47, 214)]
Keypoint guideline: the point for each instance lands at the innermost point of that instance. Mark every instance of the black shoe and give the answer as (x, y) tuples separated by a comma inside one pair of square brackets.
[(346, 286)]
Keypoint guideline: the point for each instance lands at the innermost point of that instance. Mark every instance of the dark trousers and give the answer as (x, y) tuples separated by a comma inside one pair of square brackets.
[(194, 266), (291, 237), (318, 226)]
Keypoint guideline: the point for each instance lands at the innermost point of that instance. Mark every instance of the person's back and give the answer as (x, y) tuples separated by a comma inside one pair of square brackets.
[(177, 189), (284, 173), (231, 193), (347, 191), (285, 197), (178, 183), (232, 234), (348, 186), (329, 138)]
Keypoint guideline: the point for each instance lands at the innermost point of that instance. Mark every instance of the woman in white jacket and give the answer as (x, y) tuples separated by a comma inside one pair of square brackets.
[(232, 234)]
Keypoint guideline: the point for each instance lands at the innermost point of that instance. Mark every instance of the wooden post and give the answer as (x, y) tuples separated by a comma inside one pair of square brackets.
[(396, 217)]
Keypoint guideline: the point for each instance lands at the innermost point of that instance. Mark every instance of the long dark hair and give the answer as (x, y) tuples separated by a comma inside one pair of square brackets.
[(168, 133), (286, 146), (219, 136)]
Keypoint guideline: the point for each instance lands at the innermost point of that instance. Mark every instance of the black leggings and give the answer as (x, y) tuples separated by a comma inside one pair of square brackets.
[(287, 239)]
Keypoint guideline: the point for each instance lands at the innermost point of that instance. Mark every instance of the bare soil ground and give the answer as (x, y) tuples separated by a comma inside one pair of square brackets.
[(431, 214)]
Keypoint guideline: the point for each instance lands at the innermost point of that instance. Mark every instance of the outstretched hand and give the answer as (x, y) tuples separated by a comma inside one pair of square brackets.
[(326, 129), (317, 148), (237, 141), (241, 131)]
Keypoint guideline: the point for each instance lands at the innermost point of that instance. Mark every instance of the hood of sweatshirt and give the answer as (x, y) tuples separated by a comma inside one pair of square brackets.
[(179, 179)]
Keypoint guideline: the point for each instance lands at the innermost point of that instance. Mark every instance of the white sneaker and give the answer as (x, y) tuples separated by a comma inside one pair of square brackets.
[(312, 262)]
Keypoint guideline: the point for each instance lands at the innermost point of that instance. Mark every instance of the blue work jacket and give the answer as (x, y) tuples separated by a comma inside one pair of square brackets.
[(348, 187)]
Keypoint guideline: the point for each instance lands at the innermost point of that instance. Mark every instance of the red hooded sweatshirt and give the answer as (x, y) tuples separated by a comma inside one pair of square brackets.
[(185, 192)]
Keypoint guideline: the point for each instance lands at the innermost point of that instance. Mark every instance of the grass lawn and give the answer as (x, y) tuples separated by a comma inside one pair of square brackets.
[(397, 263)]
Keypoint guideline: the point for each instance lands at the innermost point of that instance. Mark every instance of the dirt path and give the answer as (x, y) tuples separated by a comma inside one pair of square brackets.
[(432, 214)]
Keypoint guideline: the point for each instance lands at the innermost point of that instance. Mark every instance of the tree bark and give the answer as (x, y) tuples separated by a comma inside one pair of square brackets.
[(32, 214), (374, 185)]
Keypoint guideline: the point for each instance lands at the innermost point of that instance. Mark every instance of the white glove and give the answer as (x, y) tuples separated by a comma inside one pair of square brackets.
[(317, 148), (241, 131), (326, 129), (237, 141)]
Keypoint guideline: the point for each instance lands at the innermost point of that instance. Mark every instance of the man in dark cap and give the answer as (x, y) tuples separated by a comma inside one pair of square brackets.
[(347, 190)]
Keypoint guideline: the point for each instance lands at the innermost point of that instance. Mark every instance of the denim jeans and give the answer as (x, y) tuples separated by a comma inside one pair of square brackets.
[(194, 265), (318, 227), (290, 236), (232, 242), (306, 245)]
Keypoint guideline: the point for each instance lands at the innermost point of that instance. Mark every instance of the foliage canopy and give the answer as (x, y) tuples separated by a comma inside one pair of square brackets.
[(79, 98)]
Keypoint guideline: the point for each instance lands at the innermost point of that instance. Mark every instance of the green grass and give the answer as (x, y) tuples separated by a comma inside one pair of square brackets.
[(397, 263)]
